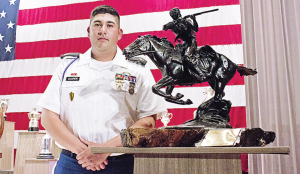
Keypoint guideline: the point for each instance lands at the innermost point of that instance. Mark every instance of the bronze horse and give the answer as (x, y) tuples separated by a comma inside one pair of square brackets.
[(207, 65)]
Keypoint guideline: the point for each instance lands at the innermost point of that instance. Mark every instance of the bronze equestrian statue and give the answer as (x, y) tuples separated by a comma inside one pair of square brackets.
[(185, 64)]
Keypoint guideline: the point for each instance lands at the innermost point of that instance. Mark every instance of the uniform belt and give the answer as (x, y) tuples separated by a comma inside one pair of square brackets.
[(73, 155)]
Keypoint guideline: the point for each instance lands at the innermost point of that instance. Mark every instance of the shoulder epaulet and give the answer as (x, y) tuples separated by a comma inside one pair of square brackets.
[(70, 56), (137, 60)]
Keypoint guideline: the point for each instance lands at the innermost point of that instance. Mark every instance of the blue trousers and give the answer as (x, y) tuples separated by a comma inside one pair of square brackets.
[(69, 165)]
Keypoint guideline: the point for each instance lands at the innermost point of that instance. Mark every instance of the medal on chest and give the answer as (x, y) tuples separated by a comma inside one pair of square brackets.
[(132, 80), (119, 79), (125, 77)]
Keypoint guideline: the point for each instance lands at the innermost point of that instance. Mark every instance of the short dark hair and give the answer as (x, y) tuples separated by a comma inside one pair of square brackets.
[(102, 9)]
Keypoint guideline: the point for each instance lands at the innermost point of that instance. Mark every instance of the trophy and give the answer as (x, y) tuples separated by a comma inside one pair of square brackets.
[(34, 117), (45, 144), (4, 105), (166, 119)]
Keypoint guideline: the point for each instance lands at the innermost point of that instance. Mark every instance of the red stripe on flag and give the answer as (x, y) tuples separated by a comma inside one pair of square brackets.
[(21, 120), (38, 84), (51, 48), (83, 10), (24, 85), (237, 116), (216, 35), (219, 35)]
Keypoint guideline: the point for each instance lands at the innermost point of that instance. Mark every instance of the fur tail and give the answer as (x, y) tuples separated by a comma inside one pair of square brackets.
[(245, 71)]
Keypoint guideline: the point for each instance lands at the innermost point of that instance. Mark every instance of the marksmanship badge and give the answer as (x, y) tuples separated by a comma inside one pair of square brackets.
[(119, 84)]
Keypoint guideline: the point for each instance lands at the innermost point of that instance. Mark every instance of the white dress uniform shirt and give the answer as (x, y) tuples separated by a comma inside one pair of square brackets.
[(95, 105)]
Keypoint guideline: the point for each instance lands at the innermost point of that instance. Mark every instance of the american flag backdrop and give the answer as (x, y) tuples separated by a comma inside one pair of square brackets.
[(34, 33)]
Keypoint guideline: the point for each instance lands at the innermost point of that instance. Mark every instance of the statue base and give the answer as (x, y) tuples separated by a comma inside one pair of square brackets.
[(211, 114), (33, 129), (45, 156), (175, 136), (150, 137)]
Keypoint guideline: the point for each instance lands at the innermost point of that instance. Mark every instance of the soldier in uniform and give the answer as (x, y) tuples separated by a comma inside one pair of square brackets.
[(93, 96)]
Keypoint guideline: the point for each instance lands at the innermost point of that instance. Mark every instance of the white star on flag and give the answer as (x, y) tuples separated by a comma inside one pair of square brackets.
[(1, 37), (12, 2), (2, 14), (8, 48), (10, 25)]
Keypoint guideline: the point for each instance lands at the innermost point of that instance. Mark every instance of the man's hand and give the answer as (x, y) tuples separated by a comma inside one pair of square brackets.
[(98, 161), (60, 133), (165, 27), (193, 17), (92, 161)]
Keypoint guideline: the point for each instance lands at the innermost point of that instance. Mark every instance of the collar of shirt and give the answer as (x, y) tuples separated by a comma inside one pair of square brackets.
[(119, 59)]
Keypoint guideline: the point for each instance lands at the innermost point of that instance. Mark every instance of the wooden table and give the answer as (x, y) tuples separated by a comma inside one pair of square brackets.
[(28, 147), (190, 160), (39, 166), (7, 146)]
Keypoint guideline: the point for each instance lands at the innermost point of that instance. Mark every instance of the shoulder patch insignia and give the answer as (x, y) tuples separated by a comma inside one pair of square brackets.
[(137, 60), (70, 56)]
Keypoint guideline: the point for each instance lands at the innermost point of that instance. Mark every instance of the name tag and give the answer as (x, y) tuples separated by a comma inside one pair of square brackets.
[(72, 78)]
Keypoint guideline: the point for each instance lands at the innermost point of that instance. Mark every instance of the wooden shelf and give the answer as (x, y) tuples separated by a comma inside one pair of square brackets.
[(6, 172), (194, 150), (186, 160)]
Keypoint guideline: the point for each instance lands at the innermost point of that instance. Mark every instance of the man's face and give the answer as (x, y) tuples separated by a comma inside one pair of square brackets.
[(104, 32)]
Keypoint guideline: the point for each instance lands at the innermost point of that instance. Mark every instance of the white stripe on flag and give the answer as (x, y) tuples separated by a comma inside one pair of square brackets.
[(197, 96), (22, 102), (227, 15), (28, 67), (233, 52), (25, 102)]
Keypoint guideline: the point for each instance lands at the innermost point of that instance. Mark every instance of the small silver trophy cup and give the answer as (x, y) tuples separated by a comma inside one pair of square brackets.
[(45, 144), (34, 117), (165, 119), (4, 106)]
